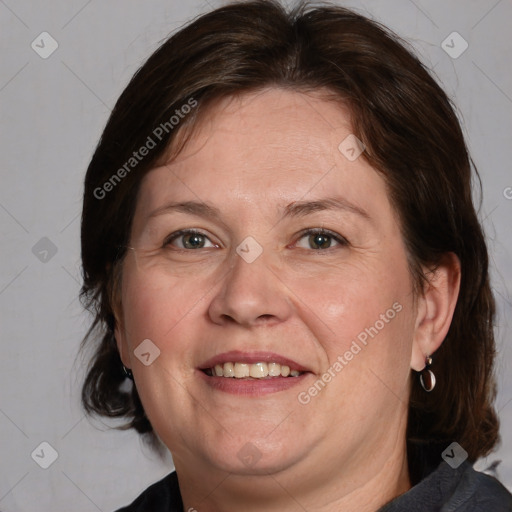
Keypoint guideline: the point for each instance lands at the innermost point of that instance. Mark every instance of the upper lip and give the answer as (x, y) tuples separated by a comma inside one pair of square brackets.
[(238, 356)]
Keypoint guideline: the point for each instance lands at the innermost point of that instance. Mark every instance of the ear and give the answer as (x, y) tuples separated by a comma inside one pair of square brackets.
[(121, 342), (435, 309), (120, 331), (115, 290)]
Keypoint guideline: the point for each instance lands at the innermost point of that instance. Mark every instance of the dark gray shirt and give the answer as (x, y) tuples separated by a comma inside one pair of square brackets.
[(454, 490), (444, 490)]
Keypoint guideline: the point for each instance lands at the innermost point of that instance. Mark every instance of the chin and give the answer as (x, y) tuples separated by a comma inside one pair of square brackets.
[(269, 465), (253, 456)]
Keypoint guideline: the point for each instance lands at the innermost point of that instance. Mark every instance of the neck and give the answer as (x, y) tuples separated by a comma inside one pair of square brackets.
[(363, 485)]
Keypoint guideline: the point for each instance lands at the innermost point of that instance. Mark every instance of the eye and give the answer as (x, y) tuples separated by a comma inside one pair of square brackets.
[(188, 239), (318, 239)]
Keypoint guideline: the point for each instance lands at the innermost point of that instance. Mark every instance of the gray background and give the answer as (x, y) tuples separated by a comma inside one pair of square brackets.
[(53, 111)]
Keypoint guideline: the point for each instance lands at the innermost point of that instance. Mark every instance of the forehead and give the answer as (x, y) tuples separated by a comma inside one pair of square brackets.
[(276, 126), (271, 146)]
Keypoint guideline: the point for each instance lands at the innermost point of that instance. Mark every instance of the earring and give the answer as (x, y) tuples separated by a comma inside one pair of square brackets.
[(427, 377), (128, 373)]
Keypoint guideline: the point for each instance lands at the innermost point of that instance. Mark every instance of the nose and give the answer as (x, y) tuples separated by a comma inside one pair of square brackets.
[(251, 294)]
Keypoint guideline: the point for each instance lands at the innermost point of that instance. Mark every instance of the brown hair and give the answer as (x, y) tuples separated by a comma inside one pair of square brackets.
[(412, 137)]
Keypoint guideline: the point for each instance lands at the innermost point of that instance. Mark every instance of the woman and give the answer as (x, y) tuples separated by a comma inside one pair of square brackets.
[(280, 246)]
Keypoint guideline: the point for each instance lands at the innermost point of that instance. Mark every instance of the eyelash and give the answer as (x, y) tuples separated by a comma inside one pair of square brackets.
[(312, 231), (182, 232), (321, 231)]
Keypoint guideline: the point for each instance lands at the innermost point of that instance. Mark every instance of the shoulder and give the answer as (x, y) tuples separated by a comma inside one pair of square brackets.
[(459, 489), (163, 496), (478, 492)]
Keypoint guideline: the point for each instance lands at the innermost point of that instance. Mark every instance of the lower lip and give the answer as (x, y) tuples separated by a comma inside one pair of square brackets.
[(252, 387)]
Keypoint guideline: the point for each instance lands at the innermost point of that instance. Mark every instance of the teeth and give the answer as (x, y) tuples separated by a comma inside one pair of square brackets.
[(228, 370), (256, 370), (241, 370), (274, 369)]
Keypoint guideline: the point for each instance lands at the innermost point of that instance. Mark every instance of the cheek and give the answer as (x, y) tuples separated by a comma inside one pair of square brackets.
[(365, 332), (155, 302), (156, 307), (362, 300)]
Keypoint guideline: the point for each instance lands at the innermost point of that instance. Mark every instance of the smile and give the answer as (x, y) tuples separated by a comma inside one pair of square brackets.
[(260, 370)]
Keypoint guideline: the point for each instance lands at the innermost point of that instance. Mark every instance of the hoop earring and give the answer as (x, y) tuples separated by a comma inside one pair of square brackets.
[(127, 372), (427, 377)]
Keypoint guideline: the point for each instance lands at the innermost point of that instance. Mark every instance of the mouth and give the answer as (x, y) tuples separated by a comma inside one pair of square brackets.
[(260, 370), (255, 373)]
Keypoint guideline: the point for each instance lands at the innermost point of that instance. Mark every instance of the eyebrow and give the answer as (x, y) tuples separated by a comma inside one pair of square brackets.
[(191, 207), (295, 209), (303, 208)]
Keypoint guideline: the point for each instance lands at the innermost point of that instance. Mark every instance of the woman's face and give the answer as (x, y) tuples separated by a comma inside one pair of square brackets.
[(255, 285)]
